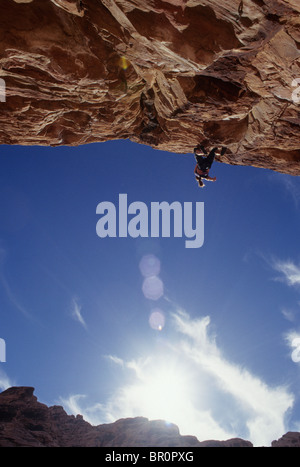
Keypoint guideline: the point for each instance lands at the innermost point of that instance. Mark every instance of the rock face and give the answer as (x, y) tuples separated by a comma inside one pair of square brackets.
[(290, 439), (25, 422), (167, 73)]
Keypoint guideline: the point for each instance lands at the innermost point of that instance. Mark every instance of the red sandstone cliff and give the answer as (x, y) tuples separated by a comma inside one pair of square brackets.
[(165, 73), (25, 422)]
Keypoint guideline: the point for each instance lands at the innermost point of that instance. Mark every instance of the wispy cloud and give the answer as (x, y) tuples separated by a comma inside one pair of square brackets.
[(8, 290), (12, 297), (290, 272), (5, 381), (76, 312), (116, 360), (293, 341), (188, 381), (265, 406), (290, 185), (91, 414), (289, 315)]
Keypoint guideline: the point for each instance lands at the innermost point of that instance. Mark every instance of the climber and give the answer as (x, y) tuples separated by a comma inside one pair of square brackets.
[(204, 163)]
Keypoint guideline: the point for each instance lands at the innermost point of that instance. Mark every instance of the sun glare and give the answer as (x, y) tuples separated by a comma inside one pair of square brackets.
[(163, 393)]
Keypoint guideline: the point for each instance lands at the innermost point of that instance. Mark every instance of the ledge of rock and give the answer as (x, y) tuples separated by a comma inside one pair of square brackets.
[(25, 422), (168, 74)]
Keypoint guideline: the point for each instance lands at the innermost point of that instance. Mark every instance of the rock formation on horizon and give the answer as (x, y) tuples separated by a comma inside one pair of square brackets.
[(25, 422), (167, 73)]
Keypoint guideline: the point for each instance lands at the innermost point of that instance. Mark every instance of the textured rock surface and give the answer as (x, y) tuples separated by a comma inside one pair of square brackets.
[(165, 73), (290, 439), (26, 422)]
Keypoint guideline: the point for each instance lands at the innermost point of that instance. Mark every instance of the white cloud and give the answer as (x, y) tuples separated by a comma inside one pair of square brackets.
[(116, 360), (291, 276), (265, 406), (5, 381), (188, 381), (91, 414), (8, 290), (289, 270), (12, 298), (290, 315), (293, 341), (76, 313), (289, 184)]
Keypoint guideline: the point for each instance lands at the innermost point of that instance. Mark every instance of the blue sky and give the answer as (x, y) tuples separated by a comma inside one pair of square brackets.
[(74, 316)]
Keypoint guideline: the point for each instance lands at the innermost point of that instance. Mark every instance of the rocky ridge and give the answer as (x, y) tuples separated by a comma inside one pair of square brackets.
[(168, 74), (25, 422)]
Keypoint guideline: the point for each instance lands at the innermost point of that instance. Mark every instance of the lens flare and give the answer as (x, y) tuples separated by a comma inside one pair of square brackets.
[(153, 288), (157, 319), (149, 265)]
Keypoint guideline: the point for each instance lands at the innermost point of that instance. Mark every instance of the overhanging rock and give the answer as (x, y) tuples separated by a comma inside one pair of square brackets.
[(166, 74)]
